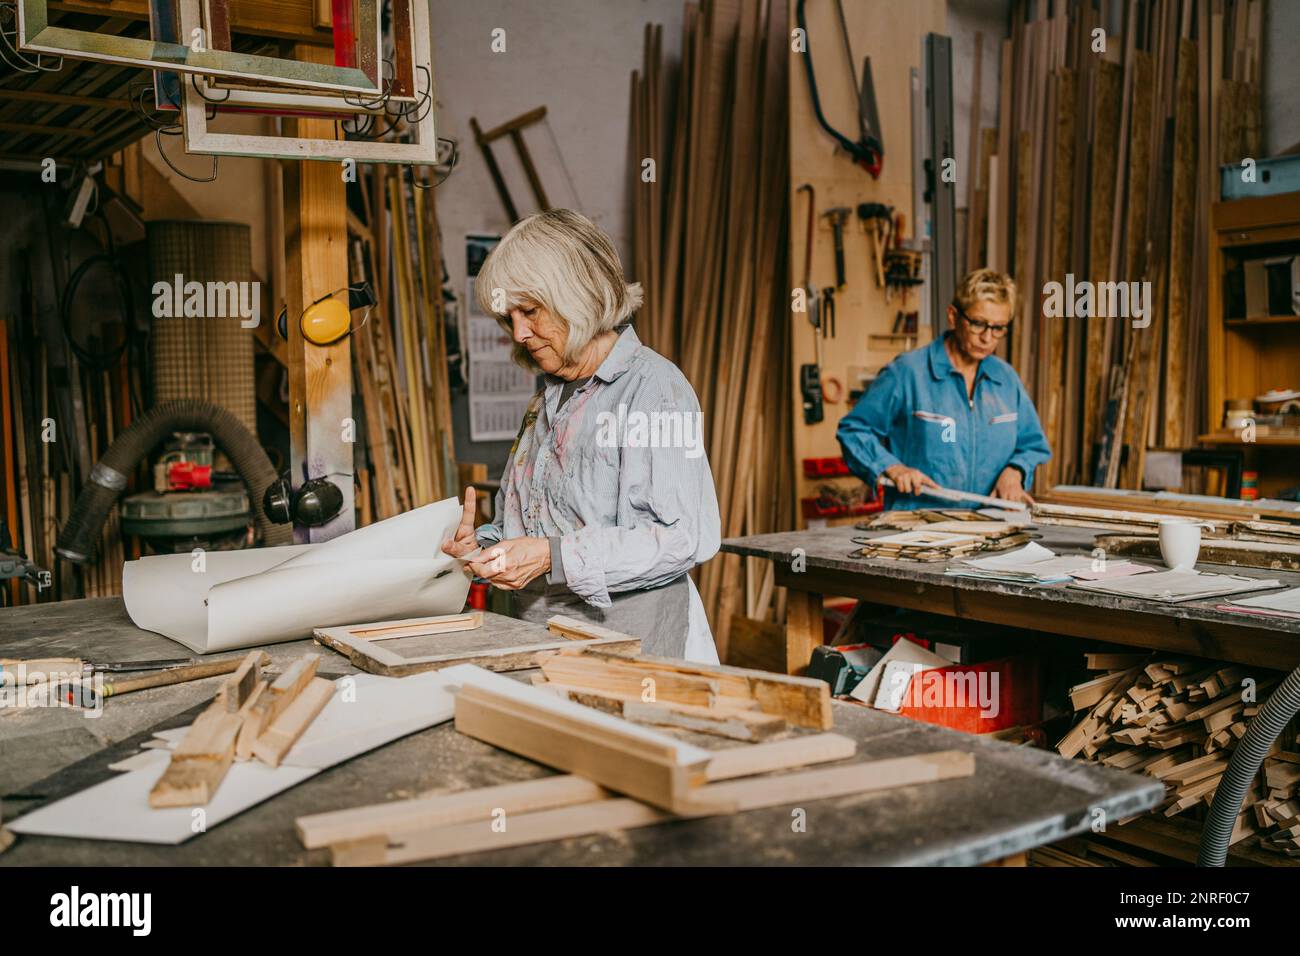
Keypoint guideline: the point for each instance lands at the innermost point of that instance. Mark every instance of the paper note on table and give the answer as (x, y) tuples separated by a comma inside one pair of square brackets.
[(231, 599), (1282, 604)]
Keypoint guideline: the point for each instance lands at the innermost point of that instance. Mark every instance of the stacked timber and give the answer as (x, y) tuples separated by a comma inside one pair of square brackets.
[(710, 224), (1178, 719)]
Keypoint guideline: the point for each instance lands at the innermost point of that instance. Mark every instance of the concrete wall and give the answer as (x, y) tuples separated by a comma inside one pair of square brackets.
[(576, 58)]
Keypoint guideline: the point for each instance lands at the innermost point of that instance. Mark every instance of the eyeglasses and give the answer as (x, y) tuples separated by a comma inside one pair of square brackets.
[(979, 326)]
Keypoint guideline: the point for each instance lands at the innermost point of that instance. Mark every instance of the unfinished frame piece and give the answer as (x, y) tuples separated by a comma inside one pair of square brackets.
[(35, 33), (362, 644), (423, 152)]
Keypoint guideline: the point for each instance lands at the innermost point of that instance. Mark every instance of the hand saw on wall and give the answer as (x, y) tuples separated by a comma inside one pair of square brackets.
[(869, 149)]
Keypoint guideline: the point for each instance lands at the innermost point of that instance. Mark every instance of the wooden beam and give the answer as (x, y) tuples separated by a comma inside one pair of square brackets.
[(320, 377)]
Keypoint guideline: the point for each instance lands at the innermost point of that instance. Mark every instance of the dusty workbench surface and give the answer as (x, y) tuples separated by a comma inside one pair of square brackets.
[(1018, 798), (1266, 641)]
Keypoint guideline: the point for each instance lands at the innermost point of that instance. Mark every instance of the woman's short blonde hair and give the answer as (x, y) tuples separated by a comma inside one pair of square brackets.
[(985, 285), (562, 262)]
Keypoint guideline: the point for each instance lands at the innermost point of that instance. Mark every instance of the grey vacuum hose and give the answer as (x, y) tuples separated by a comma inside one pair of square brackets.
[(108, 477), (1276, 713)]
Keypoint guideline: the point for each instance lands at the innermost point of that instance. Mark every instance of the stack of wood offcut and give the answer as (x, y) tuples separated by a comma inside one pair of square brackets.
[(250, 717), (996, 535), (1178, 719), (587, 719)]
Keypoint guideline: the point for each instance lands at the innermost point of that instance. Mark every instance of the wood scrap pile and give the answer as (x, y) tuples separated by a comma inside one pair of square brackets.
[(919, 546), (721, 701), (250, 717), (1102, 171), (705, 222), (1178, 719), (994, 535), (614, 775)]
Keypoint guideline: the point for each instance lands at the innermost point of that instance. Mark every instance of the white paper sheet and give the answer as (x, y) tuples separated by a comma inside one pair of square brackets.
[(1173, 587), (903, 650), (389, 570), (365, 712), (1282, 604)]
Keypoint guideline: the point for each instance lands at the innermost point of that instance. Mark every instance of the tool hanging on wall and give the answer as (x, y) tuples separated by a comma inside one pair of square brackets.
[(810, 385), (838, 216), (828, 316), (877, 221), (514, 129), (869, 151)]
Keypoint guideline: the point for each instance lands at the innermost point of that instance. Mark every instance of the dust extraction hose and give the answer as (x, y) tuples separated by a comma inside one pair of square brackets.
[(1247, 757), (108, 477)]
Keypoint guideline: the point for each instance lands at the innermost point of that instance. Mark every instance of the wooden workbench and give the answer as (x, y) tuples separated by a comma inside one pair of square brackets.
[(1195, 628), (1018, 798)]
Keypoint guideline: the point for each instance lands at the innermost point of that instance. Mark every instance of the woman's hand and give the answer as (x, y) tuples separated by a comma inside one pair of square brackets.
[(513, 563), (465, 541), (909, 481), (1010, 486)]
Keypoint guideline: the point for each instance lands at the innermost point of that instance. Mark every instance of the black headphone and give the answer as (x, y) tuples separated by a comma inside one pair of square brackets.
[(318, 501)]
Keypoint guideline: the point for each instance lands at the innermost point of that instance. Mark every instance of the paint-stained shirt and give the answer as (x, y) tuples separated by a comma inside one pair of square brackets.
[(618, 473), (918, 413)]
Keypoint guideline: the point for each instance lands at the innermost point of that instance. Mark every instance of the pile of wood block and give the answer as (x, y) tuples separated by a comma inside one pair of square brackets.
[(613, 774), (997, 535), (1178, 719), (722, 701), (250, 717)]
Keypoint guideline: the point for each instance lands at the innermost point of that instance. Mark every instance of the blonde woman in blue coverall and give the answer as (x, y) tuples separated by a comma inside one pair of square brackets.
[(951, 414)]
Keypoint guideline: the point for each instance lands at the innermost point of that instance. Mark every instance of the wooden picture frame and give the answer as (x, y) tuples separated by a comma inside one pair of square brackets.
[(36, 33), (359, 645), (423, 152)]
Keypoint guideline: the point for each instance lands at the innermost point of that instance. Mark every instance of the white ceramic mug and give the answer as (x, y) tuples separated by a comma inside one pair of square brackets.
[(1180, 542)]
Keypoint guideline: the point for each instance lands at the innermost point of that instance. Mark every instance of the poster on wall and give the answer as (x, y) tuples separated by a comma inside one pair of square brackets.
[(499, 390)]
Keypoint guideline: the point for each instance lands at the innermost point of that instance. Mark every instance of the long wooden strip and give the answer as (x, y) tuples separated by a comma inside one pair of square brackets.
[(623, 813), (423, 813), (277, 739), (608, 675), (731, 722)]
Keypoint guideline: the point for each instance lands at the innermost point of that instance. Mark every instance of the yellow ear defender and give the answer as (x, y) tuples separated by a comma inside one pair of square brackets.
[(329, 318)]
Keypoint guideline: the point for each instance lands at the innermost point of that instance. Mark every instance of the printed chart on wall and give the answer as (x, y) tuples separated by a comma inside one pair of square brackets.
[(499, 390)]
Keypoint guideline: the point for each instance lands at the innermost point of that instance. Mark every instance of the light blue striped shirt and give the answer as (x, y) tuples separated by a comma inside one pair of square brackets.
[(619, 474)]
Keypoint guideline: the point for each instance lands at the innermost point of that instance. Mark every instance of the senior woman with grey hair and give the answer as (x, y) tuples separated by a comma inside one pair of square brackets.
[(607, 500)]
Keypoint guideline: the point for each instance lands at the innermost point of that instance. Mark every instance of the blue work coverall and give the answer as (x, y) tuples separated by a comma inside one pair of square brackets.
[(917, 413)]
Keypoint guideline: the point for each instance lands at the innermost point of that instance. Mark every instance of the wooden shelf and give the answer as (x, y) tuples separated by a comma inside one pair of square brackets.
[(1266, 320), (1231, 438)]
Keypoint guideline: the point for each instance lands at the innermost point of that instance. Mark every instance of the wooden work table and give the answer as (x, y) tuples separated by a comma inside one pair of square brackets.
[(1195, 628), (1018, 798)]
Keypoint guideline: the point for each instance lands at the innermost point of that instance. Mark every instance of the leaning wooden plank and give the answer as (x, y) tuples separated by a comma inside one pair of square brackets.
[(424, 813), (282, 692), (637, 765), (803, 701), (1110, 662), (200, 761), (281, 735), (237, 688), (610, 675), (732, 723), (622, 813)]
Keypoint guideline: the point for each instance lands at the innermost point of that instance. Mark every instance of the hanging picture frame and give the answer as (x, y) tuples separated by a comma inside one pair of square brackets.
[(37, 34), (235, 96), (422, 152)]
